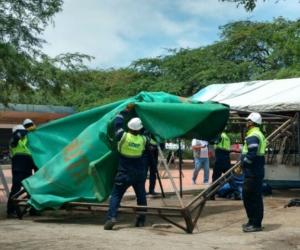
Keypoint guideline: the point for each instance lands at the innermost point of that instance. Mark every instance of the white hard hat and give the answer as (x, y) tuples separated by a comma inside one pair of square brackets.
[(26, 121), (254, 117), (135, 124), (18, 127)]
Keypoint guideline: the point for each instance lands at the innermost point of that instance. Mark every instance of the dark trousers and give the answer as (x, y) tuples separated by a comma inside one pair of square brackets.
[(253, 201), (152, 161), (219, 169), (17, 178), (137, 181)]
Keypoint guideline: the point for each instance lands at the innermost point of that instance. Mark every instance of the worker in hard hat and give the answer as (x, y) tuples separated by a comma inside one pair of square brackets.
[(29, 124), (151, 161), (131, 167), (22, 165), (222, 163), (252, 163)]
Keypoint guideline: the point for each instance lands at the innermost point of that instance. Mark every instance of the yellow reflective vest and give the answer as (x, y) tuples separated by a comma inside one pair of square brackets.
[(132, 146)]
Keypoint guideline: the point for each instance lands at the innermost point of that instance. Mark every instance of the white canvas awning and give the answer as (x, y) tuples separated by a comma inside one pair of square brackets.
[(260, 96)]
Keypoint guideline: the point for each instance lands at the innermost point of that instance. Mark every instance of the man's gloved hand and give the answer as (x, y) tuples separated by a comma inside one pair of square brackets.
[(238, 170), (32, 128), (129, 107)]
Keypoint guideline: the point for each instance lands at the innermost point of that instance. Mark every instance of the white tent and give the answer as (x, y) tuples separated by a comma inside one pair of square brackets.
[(261, 96)]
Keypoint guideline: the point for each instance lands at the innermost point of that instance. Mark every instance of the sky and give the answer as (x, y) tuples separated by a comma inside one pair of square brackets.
[(118, 32)]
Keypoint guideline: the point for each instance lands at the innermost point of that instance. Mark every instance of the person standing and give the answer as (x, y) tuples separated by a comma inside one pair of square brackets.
[(222, 164), (131, 167), (151, 161), (200, 151), (22, 165), (252, 163)]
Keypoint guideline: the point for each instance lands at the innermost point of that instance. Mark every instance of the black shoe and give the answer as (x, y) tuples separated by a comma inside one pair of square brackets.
[(236, 197), (110, 224), (246, 225), (35, 213), (139, 224), (152, 193), (251, 229), (211, 198), (11, 216)]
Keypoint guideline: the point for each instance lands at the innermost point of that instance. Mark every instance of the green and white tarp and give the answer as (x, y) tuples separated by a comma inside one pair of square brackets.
[(77, 156)]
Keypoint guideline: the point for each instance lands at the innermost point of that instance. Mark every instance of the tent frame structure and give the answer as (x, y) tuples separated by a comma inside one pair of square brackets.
[(189, 212)]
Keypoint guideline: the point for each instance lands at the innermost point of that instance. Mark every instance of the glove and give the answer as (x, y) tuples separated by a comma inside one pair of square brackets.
[(129, 107), (32, 128), (238, 170)]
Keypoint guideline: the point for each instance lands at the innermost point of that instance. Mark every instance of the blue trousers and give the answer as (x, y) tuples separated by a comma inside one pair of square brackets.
[(201, 162), (253, 200), (137, 181)]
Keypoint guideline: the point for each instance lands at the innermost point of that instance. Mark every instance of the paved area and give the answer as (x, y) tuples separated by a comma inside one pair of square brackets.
[(183, 183)]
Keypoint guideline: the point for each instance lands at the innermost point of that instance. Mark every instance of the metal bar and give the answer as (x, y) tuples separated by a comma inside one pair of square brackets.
[(180, 167), (173, 222), (171, 178), (157, 174), (4, 183)]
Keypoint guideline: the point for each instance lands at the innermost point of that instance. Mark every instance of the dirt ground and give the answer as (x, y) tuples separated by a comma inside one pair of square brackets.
[(219, 227)]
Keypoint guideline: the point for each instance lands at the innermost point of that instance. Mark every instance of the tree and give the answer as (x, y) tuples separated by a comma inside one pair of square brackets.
[(22, 64), (249, 5)]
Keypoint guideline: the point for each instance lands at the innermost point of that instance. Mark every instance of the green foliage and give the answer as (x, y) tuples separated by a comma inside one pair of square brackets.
[(246, 51), (23, 67), (249, 5)]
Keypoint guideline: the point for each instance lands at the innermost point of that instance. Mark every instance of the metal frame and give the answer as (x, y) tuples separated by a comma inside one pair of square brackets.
[(190, 212)]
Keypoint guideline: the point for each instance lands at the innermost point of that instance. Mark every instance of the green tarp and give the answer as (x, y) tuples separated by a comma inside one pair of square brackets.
[(77, 156)]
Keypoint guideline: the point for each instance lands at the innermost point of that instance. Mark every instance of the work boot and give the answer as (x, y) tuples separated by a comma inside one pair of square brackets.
[(211, 198), (34, 212), (152, 193), (246, 225), (236, 197), (12, 216), (139, 224), (110, 224), (252, 229)]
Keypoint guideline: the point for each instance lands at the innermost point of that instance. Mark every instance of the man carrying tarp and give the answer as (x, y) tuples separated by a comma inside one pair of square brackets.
[(22, 165), (131, 167)]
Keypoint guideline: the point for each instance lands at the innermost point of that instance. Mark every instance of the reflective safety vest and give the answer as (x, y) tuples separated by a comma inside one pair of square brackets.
[(20, 149), (152, 142), (132, 146), (261, 148), (224, 143)]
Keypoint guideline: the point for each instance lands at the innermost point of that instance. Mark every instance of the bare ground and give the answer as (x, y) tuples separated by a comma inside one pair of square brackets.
[(219, 227)]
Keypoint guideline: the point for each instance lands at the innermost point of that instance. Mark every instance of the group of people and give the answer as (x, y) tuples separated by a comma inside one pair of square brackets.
[(132, 171), (252, 164), (22, 164), (221, 163), (138, 151)]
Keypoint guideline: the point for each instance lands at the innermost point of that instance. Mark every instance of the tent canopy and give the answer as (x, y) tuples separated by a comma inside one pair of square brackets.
[(77, 156), (260, 96)]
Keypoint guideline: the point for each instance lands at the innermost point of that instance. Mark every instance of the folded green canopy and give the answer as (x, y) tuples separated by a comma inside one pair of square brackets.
[(77, 156)]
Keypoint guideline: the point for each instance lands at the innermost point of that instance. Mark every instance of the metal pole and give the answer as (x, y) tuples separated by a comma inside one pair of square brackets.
[(180, 167), (4, 183), (170, 176), (154, 161), (298, 139)]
